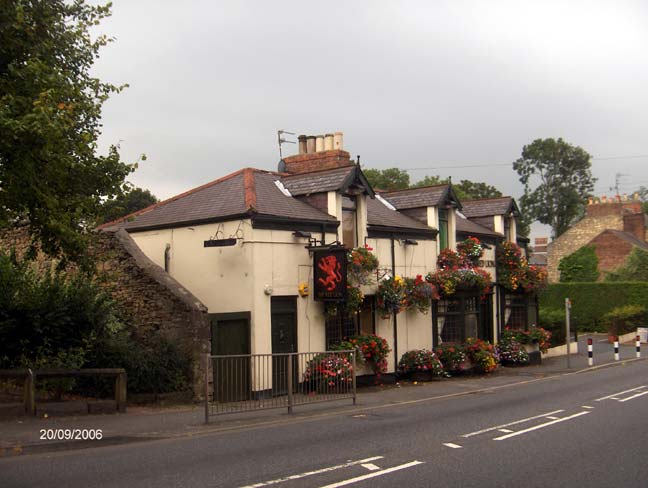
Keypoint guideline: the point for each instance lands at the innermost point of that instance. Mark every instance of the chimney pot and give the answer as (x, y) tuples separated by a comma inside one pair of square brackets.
[(319, 143), (328, 142), (338, 141), (302, 144), (310, 144)]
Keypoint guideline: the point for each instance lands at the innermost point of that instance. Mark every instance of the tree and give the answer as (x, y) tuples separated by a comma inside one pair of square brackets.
[(565, 181), (132, 200), (387, 179), (50, 109), (465, 189)]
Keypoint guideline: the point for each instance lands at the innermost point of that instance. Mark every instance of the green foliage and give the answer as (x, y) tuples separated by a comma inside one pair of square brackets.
[(46, 319), (591, 301), (50, 110), (132, 200), (387, 179), (465, 189), (580, 266), (153, 363), (557, 178), (634, 269), (58, 320), (624, 319), (553, 320)]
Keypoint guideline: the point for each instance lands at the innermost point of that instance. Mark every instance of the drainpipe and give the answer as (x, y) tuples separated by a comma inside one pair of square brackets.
[(393, 259)]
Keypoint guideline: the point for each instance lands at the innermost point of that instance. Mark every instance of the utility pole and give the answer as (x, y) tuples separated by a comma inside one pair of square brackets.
[(567, 331)]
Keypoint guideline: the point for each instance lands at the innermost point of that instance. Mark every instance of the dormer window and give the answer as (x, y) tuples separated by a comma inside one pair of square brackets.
[(349, 221), (443, 228)]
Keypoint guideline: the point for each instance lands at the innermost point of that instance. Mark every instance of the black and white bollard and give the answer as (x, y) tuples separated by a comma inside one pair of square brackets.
[(616, 348), (638, 344), (590, 352)]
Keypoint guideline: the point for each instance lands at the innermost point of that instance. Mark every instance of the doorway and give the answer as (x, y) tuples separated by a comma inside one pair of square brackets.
[(283, 323), (230, 336)]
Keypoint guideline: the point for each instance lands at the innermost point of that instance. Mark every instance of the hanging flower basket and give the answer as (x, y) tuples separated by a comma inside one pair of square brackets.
[(361, 265)]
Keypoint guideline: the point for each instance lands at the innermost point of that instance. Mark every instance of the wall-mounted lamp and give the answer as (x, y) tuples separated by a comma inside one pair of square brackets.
[(410, 242), (301, 233)]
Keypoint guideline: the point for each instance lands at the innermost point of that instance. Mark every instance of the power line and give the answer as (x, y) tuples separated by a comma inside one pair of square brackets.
[(489, 165)]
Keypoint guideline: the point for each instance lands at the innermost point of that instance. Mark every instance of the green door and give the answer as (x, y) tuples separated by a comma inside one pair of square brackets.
[(230, 335)]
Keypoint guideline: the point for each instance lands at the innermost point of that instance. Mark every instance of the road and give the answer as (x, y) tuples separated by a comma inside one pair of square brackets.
[(571, 430)]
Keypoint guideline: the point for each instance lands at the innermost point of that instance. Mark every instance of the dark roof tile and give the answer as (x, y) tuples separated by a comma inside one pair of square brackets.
[(378, 214), (426, 196), (317, 181), (488, 206)]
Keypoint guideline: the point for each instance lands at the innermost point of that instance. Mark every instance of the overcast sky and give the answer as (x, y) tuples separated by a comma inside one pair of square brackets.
[(440, 85)]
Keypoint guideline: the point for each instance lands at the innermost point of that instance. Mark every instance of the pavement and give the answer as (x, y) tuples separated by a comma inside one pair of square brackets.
[(22, 435)]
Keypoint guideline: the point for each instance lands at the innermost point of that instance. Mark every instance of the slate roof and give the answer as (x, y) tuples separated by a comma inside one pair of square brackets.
[(467, 227), (627, 237), (489, 206), (425, 196), (379, 215), (247, 192), (318, 181)]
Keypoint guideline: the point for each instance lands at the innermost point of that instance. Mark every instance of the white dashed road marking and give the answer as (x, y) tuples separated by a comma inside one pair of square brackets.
[(540, 426)]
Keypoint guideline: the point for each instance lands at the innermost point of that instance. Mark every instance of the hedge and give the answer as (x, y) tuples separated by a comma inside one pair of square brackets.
[(591, 301)]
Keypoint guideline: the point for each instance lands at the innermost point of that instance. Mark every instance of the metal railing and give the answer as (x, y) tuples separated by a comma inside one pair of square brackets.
[(249, 382)]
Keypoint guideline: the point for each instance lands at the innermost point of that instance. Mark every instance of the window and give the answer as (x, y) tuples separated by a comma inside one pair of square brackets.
[(443, 229), (349, 224), (463, 316), (520, 311), (344, 325)]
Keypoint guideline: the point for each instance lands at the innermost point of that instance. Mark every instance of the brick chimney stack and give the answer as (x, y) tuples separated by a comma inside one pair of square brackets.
[(317, 153)]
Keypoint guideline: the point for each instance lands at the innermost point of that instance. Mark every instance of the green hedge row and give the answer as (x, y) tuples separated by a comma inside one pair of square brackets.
[(591, 301)]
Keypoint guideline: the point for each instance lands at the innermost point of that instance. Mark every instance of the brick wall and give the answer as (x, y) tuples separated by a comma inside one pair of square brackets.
[(611, 251), (305, 163), (635, 224), (146, 295), (578, 236)]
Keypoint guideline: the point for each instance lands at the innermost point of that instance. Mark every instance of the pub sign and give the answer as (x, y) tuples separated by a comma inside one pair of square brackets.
[(330, 276)]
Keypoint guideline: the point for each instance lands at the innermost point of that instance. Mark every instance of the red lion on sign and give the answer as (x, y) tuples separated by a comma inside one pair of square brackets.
[(330, 266)]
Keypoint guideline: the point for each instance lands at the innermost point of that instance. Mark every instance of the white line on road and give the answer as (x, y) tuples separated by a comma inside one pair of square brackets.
[(540, 426), (587, 407), (506, 431), (552, 417), (372, 475), (370, 467), (497, 427), (311, 473), (619, 393), (634, 396), (451, 445)]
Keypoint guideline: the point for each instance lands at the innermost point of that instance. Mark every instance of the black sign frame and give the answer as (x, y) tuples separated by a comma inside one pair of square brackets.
[(330, 275)]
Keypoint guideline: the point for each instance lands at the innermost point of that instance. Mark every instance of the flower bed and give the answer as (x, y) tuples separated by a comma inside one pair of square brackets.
[(482, 354), (420, 361), (328, 371)]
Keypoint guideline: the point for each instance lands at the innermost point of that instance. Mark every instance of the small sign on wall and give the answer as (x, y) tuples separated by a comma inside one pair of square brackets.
[(330, 276)]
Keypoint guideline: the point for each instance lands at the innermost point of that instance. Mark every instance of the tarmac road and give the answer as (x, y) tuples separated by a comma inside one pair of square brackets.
[(584, 429)]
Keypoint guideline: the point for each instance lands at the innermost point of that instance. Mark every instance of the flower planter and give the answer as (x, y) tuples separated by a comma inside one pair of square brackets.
[(421, 376), (533, 347)]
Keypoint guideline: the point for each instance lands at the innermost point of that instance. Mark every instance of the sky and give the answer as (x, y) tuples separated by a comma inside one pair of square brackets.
[(451, 88)]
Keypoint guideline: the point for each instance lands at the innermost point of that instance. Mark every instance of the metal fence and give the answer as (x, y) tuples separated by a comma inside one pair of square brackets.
[(250, 382)]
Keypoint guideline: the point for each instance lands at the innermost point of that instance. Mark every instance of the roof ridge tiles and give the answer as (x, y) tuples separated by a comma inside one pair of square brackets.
[(483, 199), (415, 188)]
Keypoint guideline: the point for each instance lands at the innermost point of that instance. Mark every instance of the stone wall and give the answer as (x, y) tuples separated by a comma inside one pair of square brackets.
[(147, 296), (576, 237)]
